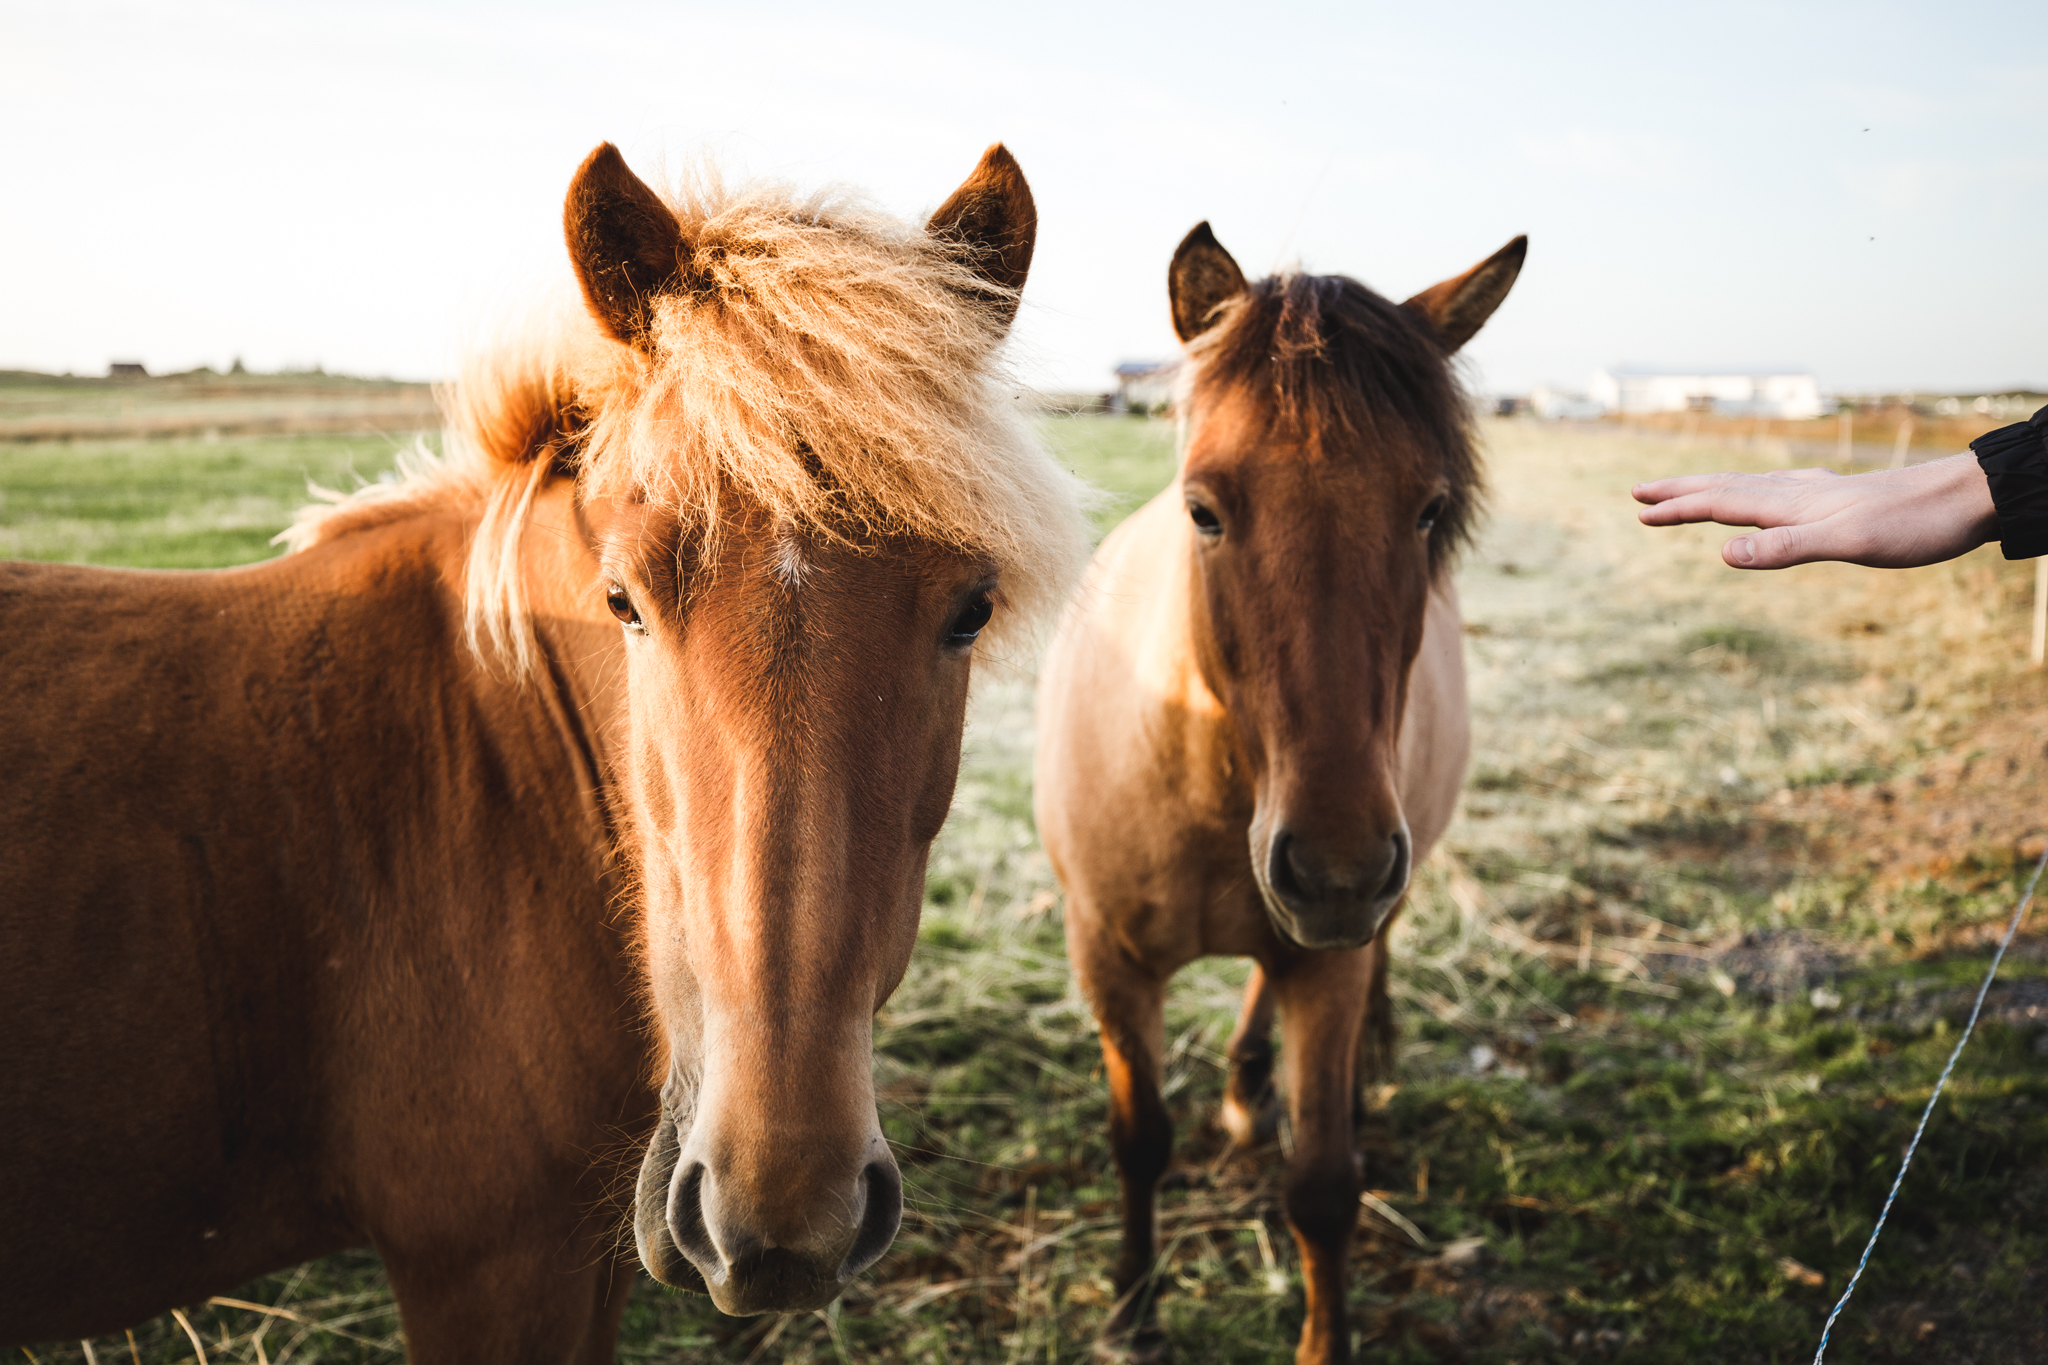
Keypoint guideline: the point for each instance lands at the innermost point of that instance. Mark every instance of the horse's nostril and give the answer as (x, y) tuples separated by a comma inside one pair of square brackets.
[(1284, 873), (1397, 875), (879, 1221), (686, 1224)]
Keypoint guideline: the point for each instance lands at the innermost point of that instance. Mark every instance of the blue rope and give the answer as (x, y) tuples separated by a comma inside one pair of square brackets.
[(1928, 1112)]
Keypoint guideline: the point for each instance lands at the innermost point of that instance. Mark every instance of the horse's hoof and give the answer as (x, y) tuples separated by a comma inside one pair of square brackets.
[(1146, 1346)]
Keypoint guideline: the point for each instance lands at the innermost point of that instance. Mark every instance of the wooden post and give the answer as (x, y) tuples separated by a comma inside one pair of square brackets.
[(1844, 428), (2040, 649), (1899, 446)]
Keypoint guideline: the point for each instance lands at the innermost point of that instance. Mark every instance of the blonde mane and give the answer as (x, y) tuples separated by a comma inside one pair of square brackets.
[(833, 367)]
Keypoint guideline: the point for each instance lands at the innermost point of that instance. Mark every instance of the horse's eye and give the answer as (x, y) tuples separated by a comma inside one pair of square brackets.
[(1206, 521), (1431, 513), (622, 607), (971, 619)]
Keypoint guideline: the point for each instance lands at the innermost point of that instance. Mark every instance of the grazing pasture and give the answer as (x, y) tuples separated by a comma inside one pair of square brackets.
[(44, 407), (1671, 993)]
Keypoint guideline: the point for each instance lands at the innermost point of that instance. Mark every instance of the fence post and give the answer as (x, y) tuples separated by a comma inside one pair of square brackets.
[(2040, 647), (1844, 451), (1899, 446)]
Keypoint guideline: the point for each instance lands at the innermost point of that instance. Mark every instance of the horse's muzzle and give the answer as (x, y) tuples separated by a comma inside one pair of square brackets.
[(1318, 899), (694, 1235)]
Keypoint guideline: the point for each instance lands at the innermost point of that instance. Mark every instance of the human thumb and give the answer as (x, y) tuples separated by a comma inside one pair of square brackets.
[(1778, 548)]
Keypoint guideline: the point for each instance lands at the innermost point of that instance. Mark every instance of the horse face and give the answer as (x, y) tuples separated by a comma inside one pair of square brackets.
[(1313, 567), (796, 709), (1311, 519), (796, 690)]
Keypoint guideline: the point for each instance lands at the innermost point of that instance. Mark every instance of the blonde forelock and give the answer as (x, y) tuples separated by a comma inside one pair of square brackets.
[(838, 369)]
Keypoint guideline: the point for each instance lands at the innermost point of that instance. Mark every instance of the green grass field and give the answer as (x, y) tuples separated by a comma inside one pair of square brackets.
[(1672, 992), (175, 504)]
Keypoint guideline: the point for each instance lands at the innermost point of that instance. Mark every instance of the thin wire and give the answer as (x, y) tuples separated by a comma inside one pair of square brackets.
[(1997, 957)]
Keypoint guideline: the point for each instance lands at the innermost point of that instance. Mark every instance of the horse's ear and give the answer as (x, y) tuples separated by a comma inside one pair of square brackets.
[(1202, 277), (994, 217), (625, 244), (1459, 307)]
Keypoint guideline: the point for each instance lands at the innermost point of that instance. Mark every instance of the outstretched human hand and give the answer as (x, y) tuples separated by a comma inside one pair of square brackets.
[(1886, 519)]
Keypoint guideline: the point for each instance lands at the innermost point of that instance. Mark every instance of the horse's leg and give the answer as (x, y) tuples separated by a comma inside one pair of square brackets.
[(514, 1304), (1322, 1007), (1251, 1108), (1376, 1048), (1131, 1008), (1378, 1036)]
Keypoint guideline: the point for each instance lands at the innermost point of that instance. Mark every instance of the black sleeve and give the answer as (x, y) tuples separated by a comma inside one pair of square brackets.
[(2015, 461)]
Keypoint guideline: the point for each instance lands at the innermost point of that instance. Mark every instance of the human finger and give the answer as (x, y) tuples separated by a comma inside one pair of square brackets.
[(1677, 486), (1682, 510), (1781, 547), (1686, 485), (1739, 504)]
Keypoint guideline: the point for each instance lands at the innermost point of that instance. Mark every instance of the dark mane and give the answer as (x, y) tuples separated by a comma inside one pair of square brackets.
[(1337, 360)]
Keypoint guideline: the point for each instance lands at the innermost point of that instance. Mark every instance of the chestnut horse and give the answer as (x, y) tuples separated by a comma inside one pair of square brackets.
[(1268, 655), (562, 805)]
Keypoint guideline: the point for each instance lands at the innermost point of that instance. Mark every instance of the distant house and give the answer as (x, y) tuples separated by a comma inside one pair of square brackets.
[(1761, 392), (1555, 405), (127, 369), (1144, 385)]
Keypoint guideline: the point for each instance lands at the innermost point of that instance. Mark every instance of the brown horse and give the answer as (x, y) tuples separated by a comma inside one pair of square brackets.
[(1268, 655), (570, 797)]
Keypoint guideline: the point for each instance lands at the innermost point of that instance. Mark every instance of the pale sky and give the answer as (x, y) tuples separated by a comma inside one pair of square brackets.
[(1861, 189)]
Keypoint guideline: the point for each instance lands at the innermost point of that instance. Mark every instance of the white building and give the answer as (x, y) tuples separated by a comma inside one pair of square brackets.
[(1144, 385), (1732, 393), (1555, 405)]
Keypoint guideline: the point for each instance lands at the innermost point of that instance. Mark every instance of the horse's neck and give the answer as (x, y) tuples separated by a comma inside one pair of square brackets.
[(580, 673), (1163, 587), (391, 595)]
